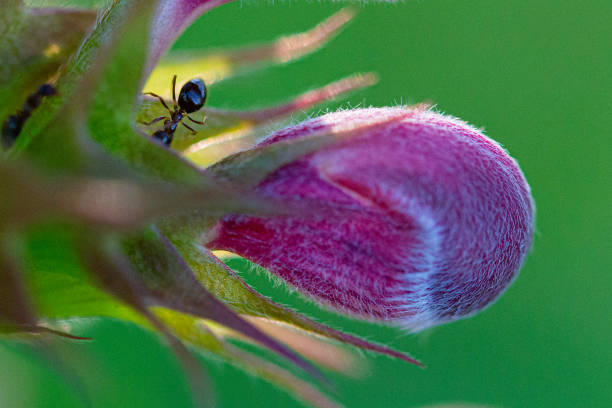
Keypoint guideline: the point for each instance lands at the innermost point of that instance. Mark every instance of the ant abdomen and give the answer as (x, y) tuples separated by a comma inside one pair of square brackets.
[(192, 96)]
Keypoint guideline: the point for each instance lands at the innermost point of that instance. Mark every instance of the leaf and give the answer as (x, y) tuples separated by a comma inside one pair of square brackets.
[(110, 121), (60, 287), (314, 348), (218, 65), (80, 79), (198, 333), (186, 234), (113, 272), (17, 311), (172, 284), (171, 19), (106, 96), (28, 195), (34, 42), (111, 117), (15, 308)]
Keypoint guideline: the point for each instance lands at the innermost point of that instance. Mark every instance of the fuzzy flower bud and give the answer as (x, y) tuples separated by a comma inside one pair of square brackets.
[(430, 222)]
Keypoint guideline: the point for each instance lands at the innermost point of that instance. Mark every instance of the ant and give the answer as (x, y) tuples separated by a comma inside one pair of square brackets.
[(191, 99), (13, 124)]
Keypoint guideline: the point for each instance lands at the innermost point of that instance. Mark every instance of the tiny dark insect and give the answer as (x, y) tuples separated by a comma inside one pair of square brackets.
[(191, 99), (13, 124)]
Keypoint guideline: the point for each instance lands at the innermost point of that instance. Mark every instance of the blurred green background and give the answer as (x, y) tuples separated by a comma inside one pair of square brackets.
[(536, 76)]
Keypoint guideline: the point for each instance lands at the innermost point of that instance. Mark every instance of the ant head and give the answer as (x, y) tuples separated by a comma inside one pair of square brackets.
[(47, 90), (192, 96)]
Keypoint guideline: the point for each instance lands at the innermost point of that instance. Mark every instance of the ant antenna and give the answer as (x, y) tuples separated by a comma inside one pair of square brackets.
[(174, 91)]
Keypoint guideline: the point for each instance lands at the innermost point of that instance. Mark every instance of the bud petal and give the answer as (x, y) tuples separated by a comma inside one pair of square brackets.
[(430, 219)]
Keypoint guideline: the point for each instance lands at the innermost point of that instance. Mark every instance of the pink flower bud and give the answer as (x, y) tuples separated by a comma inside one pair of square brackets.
[(431, 219)]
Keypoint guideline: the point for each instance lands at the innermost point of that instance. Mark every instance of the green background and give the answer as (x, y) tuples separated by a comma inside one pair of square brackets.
[(536, 76)]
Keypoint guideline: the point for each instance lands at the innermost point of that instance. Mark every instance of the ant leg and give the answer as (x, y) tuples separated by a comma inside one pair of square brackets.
[(154, 120), (174, 91), (192, 131), (196, 121), (160, 99)]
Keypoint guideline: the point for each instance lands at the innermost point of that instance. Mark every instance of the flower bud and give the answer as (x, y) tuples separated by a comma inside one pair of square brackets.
[(430, 222)]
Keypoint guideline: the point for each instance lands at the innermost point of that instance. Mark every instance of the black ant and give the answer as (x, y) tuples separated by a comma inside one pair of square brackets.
[(191, 99), (13, 124)]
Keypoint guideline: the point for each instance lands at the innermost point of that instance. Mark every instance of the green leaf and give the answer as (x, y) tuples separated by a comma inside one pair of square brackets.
[(112, 113), (315, 348), (172, 284), (198, 333), (34, 43), (106, 91), (60, 286), (15, 308), (113, 272)]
